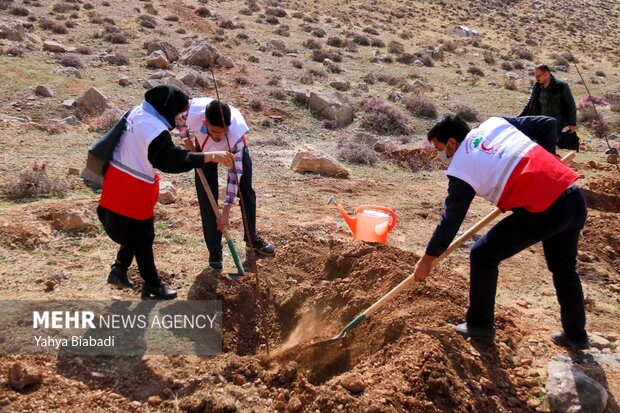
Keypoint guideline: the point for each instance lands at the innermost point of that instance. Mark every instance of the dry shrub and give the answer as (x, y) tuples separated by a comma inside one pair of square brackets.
[(34, 182), (336, 41), (312, 44), (421, 107), (476, 71), (297, 64), (376, 42), (275, 11), (355, 150), (523, 52), (203, 12), (467, 113), (318, 55), (19, 11), (256, 104), (488, 57), (64, 7), (510, 84), (383, 117), (506, 65), (71, 61), (147, 21), (53, 26), (242, 80), (306, 78), (396, 47)]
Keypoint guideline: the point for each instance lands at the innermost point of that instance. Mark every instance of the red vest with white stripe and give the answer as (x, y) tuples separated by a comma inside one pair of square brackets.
[(507, 168), (195, 117), (131, 183)]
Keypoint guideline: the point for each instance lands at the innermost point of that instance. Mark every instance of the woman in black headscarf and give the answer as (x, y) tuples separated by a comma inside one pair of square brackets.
[(131, 184)]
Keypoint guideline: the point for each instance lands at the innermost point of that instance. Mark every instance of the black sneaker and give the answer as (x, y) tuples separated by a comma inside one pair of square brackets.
[(483, 335), (118, 278), (261, 247), (561, 340), (215, 261), (158, 292)]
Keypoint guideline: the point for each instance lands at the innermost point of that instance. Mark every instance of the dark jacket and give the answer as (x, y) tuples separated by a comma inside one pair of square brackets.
[(560, 104)]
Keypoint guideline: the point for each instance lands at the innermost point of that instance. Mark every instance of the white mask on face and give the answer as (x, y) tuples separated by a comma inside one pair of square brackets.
[(444, 157)]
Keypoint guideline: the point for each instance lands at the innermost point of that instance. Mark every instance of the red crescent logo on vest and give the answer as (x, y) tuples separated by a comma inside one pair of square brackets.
[(484, 148)]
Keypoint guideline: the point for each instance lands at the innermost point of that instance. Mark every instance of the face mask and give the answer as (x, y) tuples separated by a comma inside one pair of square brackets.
[(444, 157)]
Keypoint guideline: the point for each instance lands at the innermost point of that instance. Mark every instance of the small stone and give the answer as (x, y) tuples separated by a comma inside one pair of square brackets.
[(135, 404), (97, 375), (45, 91), (124, 81), (167, 193), (354, 382), (154, 401), (21, 375), (177, 384), (50, 284), (533, 403), (73, 171), (486, 384), (69, 103), (523, 303), (599, 342), (294, 405), (279, 405), (238, 379)]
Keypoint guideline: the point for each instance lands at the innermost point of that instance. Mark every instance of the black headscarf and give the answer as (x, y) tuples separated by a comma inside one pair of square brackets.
[(168, 100)]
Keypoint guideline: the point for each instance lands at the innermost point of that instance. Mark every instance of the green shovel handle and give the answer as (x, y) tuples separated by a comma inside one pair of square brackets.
[(233, 252)]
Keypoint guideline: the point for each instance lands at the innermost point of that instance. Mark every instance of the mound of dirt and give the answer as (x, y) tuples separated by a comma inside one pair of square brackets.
[(417, 159), (404, 358)]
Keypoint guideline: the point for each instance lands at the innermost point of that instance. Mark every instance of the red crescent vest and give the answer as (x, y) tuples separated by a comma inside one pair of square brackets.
[(131, 183)]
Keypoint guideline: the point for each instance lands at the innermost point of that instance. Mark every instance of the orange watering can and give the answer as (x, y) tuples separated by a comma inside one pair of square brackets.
[(371, 223)]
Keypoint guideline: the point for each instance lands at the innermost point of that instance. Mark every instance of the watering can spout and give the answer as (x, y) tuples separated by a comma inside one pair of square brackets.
[(351, 221)]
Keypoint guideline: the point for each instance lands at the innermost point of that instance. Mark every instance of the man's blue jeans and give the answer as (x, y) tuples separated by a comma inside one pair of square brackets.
[(558, 227)]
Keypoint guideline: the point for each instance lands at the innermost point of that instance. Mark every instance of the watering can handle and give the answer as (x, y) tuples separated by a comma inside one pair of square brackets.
[(380, 208)]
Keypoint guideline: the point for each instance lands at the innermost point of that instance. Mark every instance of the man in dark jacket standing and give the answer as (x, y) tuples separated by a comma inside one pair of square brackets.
[(551, 97)]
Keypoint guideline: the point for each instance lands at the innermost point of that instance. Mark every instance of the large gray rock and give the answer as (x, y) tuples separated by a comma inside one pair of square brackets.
[(54, 47), (93, 102), (328, 103), (225, 62), (14, 32), (310, 159), (69, 71), (332, 105), (199, 53), (157, 59), (571, 391), (171, 52), (167, 193), (189, 78)]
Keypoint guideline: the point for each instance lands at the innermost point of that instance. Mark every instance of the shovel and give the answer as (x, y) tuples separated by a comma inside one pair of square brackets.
[(407, 282)]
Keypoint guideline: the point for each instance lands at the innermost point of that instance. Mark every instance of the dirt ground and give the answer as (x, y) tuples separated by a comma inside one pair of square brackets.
[(404, 358)]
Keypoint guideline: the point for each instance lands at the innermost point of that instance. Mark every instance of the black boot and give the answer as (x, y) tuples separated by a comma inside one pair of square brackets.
[(158, 292), (118, 277), (261, 247)]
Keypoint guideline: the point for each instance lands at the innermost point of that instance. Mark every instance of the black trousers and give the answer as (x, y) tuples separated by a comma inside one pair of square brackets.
[(558, 227), (136, 240), (213, 237)]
